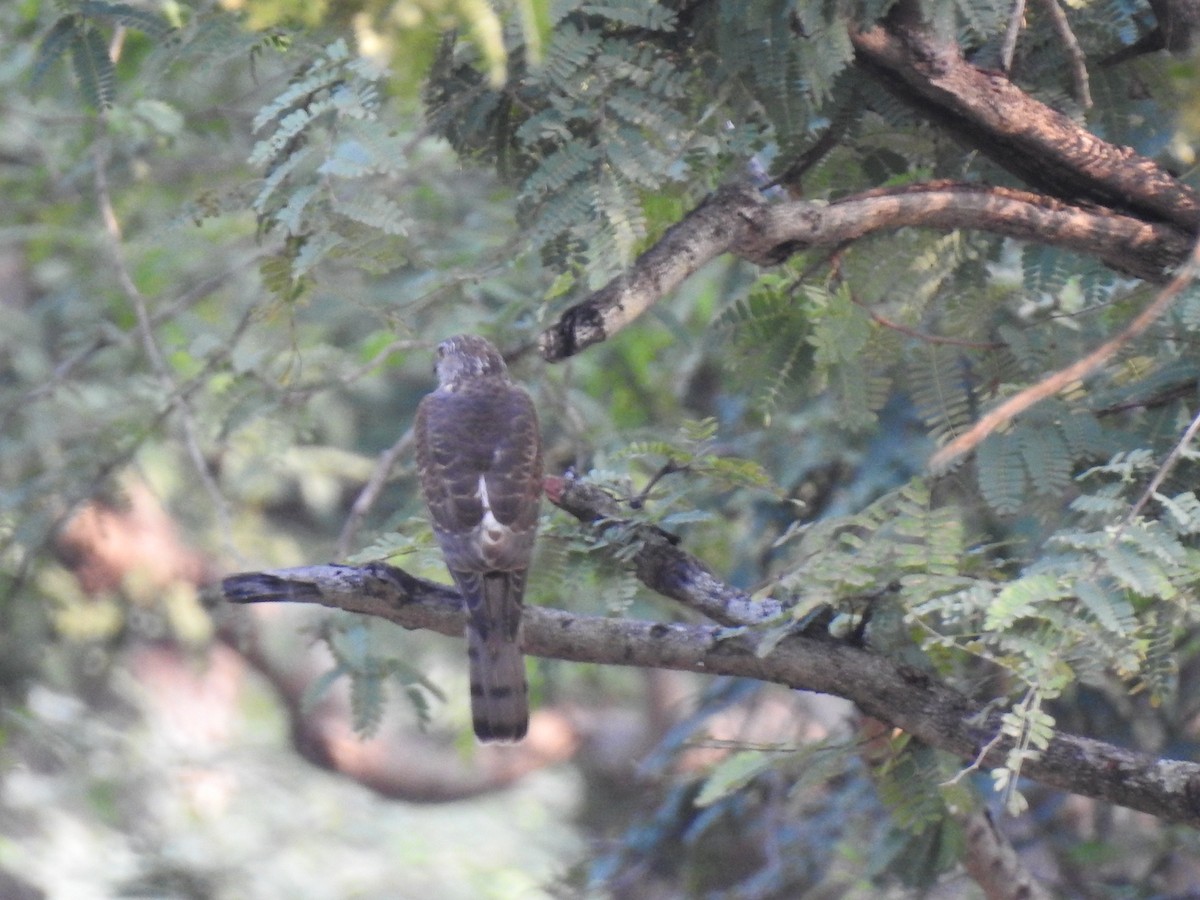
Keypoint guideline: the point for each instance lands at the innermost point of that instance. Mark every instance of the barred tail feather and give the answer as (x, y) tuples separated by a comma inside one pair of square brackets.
[(499, 695), (499, 705)]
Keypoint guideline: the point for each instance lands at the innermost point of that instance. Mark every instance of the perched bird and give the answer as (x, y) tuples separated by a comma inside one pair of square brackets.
[(479, 456)]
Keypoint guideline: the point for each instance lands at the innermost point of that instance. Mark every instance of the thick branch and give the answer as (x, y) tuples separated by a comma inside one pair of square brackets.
[(1123, 242), (896, 694), (705, 233), (1038, 144), (736, 219)]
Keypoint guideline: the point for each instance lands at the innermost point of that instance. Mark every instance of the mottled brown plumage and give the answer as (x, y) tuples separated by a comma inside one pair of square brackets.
[(479, 454)]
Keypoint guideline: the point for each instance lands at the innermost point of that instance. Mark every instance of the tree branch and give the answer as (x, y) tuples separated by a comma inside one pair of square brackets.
[(1040, 145), (1079, 73), (1008, 47), (990, 859), (900, 695), (736, 219), (709, 230), (1128, 244), (660, 563)]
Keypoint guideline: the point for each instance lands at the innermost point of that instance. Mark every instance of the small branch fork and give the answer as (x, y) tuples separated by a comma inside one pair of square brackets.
[(891, 692)]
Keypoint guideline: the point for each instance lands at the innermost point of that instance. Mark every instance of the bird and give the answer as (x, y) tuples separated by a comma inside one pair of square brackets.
[(479, 462)]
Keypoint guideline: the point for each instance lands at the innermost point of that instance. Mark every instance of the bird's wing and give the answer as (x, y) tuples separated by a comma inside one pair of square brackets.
[(480, 465)]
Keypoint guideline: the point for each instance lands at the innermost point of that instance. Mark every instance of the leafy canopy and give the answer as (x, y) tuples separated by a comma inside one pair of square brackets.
[(249, 328)]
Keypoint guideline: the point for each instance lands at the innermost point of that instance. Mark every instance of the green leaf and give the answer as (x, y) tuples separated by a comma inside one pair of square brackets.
[(733, 773), (93, 68), (63, 34), (316, 690), (1021, 599), (367, 702), (1001, 473)]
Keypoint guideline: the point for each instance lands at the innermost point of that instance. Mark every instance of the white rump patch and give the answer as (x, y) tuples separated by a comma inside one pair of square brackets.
[(491, 531)]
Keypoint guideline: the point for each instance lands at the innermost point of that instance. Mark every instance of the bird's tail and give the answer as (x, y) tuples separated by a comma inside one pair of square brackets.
[(499, 695)]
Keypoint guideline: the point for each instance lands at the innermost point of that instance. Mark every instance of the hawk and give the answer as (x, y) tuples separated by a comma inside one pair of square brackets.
[(479, 456)]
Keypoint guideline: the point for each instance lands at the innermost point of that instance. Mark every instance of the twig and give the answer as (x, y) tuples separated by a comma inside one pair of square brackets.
[(1077, 371), (921, 335), (1160, 475), (370, 493), (1079, 73), (977, 763), (366, 368), (176, 400), (829, 138), (670, 467), (1009, 47)]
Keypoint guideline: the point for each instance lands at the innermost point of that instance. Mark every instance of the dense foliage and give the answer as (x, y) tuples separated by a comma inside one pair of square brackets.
[(232, 237)]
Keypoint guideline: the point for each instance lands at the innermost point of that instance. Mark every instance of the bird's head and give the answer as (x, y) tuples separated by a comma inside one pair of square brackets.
[(467, 356)]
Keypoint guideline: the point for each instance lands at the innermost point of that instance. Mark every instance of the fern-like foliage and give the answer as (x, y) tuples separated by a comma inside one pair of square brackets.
[(611, 118), (1099, 601), (325, 162), (80, 35), (791, 338), (614, 120), (693, 451), (849, 562), (920, 790), (630, 95), (350, 640), (772, 351)]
